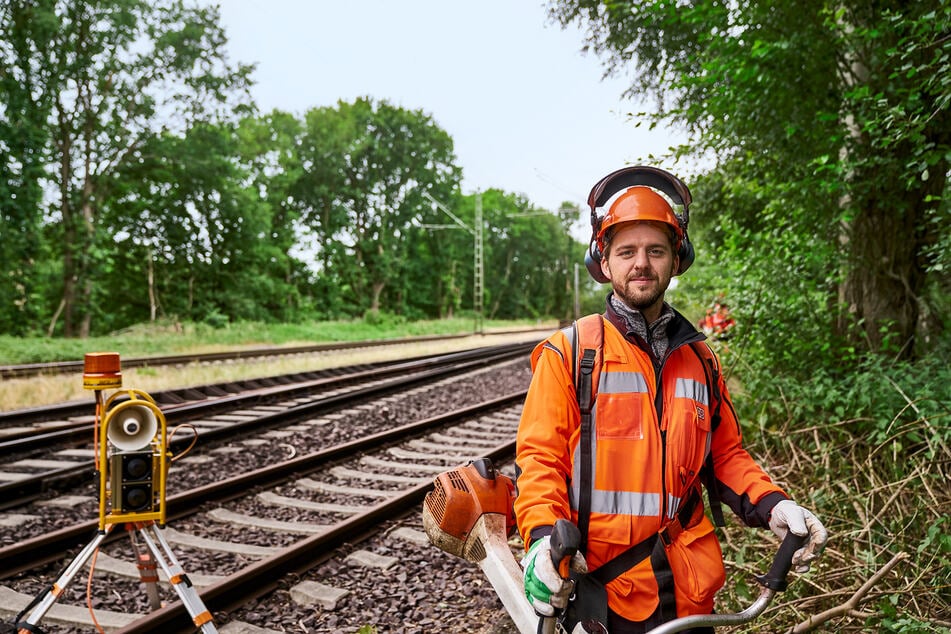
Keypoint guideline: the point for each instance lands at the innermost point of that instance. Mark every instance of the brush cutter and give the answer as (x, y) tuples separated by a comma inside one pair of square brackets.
[(469, 514)]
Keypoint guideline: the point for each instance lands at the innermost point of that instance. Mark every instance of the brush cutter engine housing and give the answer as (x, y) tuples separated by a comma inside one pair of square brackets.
[(461, 497)]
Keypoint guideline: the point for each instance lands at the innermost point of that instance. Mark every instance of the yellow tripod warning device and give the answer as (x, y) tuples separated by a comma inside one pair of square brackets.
[(132, 460)]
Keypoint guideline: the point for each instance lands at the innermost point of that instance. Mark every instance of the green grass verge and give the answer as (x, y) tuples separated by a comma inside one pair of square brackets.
[(169, 338)]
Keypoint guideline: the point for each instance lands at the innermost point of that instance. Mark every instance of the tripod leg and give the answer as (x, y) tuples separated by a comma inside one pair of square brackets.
[(162, 552), (43, 605), (148, 572)]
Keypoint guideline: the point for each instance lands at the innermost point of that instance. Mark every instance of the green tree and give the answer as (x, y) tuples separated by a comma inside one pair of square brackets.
[(365, 167), (25, 104), (838, 111), (527, 260), (116, 72), (195, 234), (440, 272), (268, 152)]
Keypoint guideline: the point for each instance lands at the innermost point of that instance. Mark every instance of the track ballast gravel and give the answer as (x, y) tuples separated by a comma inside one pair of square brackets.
[(426, 590)]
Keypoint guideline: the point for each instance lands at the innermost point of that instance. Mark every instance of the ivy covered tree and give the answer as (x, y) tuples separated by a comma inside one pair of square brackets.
[(831, 127)]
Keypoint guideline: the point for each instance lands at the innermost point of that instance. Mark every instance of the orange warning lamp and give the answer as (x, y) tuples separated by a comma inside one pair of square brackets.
[(102, 371)]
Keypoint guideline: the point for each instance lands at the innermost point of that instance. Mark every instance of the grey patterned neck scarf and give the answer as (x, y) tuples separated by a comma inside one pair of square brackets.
[(655, 334)]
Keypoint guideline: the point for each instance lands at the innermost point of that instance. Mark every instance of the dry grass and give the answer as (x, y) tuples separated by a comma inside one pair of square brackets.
[(886, 507), (32, 392)]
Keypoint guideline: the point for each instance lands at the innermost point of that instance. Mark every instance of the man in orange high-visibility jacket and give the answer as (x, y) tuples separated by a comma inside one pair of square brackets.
[(661, 412)]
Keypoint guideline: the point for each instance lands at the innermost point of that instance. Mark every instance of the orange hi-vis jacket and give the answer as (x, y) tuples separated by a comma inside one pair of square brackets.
[(651, 434)]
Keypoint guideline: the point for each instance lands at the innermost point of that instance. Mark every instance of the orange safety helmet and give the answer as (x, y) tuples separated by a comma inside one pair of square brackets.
[(638, 203), (629, 194)]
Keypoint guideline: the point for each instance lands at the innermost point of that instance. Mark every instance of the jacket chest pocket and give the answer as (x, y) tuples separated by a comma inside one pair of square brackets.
[(623, 406)]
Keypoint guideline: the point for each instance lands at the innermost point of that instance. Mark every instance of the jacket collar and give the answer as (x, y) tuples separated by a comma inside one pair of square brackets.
[(680, 331)]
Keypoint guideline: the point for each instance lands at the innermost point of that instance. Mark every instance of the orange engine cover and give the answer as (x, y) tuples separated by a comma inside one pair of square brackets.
[(461, 496)]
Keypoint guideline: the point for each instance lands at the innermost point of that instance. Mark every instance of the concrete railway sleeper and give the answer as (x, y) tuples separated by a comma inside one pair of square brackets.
[(50, 464), (303, 509)]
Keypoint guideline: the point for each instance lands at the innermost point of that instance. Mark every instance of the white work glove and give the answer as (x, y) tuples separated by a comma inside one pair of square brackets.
[(544, 587), (787, 516)]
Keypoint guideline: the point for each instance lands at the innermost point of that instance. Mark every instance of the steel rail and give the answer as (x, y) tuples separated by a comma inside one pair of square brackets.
[(43, 549), (17, 492), (65, 367), (206, 395), (171, 397), (264, 576)]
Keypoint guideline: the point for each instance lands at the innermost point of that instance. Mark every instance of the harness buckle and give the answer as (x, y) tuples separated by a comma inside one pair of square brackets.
[(669, 533)]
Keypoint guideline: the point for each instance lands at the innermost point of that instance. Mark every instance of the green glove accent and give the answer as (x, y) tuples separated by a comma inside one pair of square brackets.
[(535, 588)]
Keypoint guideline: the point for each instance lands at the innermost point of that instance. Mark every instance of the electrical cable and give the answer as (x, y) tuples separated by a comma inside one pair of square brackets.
[(185, 451)]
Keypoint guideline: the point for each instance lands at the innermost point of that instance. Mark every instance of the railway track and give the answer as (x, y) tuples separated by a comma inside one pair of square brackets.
[(25, 370), (41, 453), (262, 535)]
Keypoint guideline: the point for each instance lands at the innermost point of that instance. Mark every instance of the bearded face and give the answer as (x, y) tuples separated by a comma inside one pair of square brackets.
[(640, 262)]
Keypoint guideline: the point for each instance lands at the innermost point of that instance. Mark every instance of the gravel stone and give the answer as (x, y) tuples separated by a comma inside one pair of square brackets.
[(424, 590)]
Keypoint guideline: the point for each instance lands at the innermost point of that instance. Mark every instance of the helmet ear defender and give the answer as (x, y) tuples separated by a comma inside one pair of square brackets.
[(622, 179)]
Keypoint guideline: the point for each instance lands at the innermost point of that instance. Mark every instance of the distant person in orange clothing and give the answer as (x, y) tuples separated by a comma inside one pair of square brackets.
[(717, 323)]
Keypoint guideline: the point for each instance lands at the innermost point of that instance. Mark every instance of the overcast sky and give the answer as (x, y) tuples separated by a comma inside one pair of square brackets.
[(528, 112)]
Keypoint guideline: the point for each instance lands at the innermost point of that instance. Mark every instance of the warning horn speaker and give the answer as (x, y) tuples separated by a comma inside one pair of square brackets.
[(131, 426)]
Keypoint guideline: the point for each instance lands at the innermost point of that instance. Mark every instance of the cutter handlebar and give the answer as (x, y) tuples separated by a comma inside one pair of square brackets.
[(565, 541), (773, 581), (775, 578)]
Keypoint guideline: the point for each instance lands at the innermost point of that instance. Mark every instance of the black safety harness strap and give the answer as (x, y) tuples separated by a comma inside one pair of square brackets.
[(585, 402), (667, 599), (712, 374)]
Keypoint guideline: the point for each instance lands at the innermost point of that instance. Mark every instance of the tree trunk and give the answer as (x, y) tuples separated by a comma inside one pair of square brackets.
[(52, 327), (86, 91), (503, 283), (882, 288), (451, 294), (150, 274), (376, 290), (70, 264)]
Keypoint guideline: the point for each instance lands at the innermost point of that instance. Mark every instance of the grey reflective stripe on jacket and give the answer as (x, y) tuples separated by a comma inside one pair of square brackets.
[(694, 390)]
